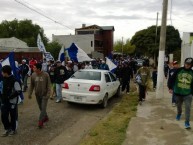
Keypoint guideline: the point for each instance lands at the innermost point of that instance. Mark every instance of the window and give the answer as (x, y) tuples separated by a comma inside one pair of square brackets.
[(112, 77), (107, 78), (87, 75), (91, 43)]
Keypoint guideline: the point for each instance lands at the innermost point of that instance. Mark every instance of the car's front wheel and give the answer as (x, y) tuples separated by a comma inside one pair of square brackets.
[(105, 101)]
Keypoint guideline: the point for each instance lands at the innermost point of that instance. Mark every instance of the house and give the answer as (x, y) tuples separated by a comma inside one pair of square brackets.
[(20, 48), (187, 46), (92, 39)]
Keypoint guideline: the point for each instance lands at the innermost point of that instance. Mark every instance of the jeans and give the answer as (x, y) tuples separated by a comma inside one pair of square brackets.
[(187, 101), (126, 84), (42, 104), (9, 116), (142, 91), (59, 91), (24, 79), (173, 98)]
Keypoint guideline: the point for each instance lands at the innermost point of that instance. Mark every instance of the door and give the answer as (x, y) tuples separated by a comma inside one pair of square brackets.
[(108, 85), (115, 84)]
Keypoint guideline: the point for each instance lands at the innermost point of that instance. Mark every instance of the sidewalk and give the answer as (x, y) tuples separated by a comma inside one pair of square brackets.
[(155, 124)]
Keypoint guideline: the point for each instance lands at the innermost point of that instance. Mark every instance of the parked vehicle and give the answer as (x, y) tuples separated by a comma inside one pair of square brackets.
[(139, 62), (91, 86)]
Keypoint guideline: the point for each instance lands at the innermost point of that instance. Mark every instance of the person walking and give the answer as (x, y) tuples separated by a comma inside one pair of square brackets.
[(127, 74), (154, 77), (171, 73), (61, 75), (40, 82), (181, 85), (24, 71), (52, 78), (144, 74), (10, 92)]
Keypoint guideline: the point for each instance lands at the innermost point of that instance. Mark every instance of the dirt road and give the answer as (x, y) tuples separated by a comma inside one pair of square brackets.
[(69, 122)]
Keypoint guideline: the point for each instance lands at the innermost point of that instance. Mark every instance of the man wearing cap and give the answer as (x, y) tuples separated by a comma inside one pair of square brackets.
[(171, 72), (60, 76), (24, 71), (181, 85)]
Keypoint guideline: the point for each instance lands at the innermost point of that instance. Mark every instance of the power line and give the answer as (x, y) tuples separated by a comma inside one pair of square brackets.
[(40, 13)]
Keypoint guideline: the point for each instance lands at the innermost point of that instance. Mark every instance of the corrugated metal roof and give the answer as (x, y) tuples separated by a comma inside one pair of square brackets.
[(28, 49), (97, 27), (108, 28), (12, 42)]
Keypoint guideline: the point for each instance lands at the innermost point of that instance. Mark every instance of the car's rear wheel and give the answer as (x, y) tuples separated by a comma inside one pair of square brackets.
[(105, 101)]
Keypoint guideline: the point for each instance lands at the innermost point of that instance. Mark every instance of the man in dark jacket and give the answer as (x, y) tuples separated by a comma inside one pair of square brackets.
[(60, 76), (24, 71), (181, 84), (127, 74), (170, 75), (10, 93)]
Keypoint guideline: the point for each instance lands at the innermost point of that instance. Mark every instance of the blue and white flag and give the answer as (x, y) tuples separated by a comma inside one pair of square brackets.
[(40, 44), (15, 71), (61, 55), (48, 56), (77, 54), (110, 64)]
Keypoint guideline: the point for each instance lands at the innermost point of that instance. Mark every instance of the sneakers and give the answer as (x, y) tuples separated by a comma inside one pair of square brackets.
[(11, 133), (58, 101), (40, 124), (6, 133), (187, 125), (46, 119), (127, 93), (178, 117), (140, 102)]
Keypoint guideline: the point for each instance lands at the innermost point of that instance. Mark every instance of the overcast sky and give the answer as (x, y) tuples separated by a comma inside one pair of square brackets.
[(127, 16)]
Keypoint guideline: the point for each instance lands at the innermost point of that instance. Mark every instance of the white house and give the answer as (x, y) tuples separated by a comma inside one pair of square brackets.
[(187, 46), (85, 42)]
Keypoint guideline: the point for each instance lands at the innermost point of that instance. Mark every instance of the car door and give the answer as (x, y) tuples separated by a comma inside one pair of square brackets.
[(114, 83), (108, 84)]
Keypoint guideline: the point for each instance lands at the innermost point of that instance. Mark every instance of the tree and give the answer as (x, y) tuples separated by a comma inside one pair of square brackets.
[(54, 48), (147, 43), (126, 48), (24, 30)]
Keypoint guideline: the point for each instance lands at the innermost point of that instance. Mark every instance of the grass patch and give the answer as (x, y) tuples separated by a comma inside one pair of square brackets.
[(112, 129)]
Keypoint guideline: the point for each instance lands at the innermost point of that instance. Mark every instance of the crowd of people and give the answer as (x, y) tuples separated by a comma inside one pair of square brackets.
[(47, 77)]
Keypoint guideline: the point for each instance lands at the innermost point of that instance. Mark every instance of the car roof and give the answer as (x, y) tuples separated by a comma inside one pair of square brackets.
[(94, 70)]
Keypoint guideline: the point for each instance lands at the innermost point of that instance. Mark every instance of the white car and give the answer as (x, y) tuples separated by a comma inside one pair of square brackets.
[(91, 86)]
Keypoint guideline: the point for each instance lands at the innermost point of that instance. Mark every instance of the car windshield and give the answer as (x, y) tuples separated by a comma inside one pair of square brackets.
[(87, 75)]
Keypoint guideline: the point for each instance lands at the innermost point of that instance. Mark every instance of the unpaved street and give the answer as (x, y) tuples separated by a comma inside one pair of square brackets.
[(69, 122)]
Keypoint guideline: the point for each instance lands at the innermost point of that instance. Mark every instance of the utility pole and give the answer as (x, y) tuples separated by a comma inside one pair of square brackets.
[(122, 47), (155, 58), (160, 78)]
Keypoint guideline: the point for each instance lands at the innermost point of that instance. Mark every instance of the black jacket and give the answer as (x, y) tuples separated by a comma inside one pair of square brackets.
[(60, 74), (8, 89), (127, 73)]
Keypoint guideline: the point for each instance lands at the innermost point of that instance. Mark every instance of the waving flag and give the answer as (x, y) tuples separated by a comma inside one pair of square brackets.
[(77, 54), (11, 62), (61, 55), (110, 64), (40, 44), (48, 56)]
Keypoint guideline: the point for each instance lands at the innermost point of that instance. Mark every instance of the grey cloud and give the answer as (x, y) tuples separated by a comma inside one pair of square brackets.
[(125, 17)]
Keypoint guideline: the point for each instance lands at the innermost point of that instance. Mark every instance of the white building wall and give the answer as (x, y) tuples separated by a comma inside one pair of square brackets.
[(187, 48), (83, 41)]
